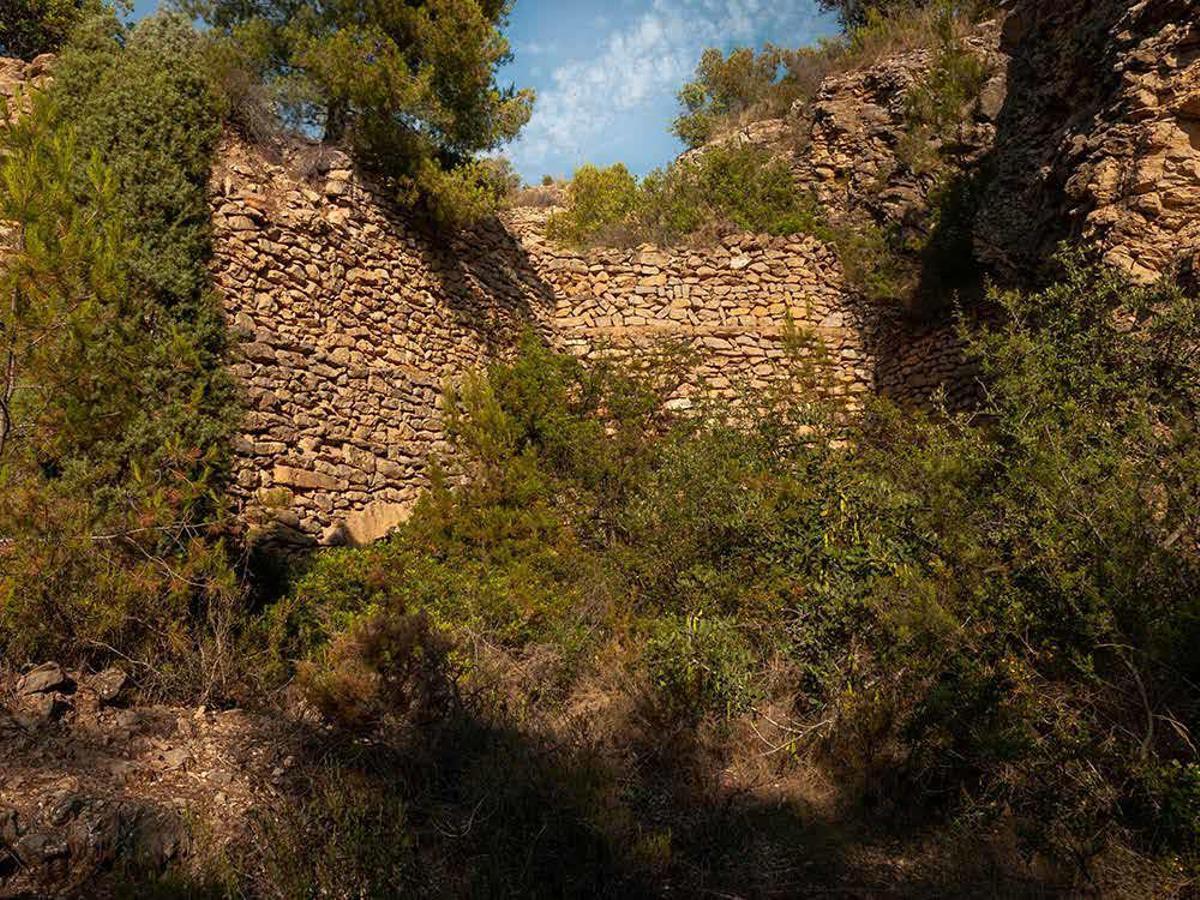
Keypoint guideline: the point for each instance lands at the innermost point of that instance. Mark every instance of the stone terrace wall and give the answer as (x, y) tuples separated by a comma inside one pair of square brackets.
[(728, 304), (915, 363), (349, 323), (350, 320)]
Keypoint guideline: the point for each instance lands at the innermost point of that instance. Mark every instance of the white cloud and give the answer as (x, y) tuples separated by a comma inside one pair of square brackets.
[(643, 62)]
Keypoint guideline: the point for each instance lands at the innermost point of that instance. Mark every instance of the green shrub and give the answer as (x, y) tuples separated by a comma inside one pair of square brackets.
[(745, 187), (698, 664), (740, 187), (387, 664), (974, 618), (1025, 621), (876, 262), (729, 91), (118, 408), (599, 202), (30, 27), (412, 91)]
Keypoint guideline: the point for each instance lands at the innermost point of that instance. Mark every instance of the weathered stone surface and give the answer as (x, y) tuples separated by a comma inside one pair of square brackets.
[(374, 522), (110, 684), (351, 325), (290, 476), (45, 678), (1098, 137)]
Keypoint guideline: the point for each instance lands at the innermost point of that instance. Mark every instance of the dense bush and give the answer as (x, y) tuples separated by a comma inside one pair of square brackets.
[(743, 87), (411, 87), (600, 203), (30, 27), (725, 187), (939, 104), (116, 406), (990, 618)]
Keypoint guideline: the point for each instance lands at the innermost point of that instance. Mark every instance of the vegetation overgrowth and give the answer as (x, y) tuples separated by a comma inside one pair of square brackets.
[(29, 28), (989, 620), (617, 650), (411, 87), (745, 188), (731, 91), (115, 408), (727, 183), (116, 405)]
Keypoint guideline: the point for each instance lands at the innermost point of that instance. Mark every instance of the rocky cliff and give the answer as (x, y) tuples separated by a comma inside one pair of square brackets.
[(1098, 138)]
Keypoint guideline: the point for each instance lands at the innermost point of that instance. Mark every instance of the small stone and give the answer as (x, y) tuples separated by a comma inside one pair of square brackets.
[(39, 848), (172, 759), (65, 810), (45, 708), (10, 828), (110, 684), (45, 678)]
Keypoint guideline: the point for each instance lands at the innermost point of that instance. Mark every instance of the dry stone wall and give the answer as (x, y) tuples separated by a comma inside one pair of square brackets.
[(730, 305), (350, 320)]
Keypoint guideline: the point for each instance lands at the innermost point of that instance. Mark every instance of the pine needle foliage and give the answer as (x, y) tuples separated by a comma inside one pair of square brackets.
[(117, 406), (411, 87)]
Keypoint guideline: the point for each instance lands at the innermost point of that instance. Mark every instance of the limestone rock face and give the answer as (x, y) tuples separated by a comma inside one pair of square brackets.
[(1099, 135), (1088, 129), (843, 145), (853, 130), (17, 77), (372, 523)]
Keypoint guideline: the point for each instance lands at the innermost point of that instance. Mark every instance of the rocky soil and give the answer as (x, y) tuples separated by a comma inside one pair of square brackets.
[(90, 784)]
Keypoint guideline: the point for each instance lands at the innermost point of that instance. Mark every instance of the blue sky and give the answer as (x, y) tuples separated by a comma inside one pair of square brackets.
[(606, 72)]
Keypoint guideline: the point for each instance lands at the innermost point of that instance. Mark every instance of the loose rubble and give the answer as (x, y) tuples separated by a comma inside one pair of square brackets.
[(86, 785)]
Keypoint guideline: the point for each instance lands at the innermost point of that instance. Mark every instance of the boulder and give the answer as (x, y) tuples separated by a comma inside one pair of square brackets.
[(46, 678)]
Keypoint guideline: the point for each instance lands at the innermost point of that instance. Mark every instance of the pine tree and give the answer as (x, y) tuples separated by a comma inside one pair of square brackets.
[(410, 86), (114, 405)]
